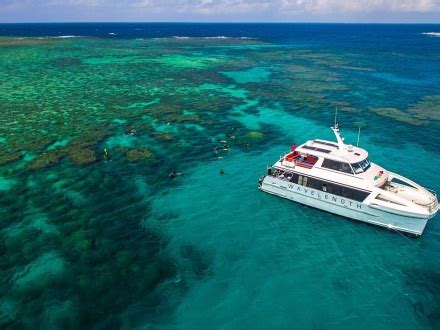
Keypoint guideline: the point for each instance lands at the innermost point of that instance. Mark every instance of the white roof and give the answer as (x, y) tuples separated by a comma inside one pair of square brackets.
[(331, 150)]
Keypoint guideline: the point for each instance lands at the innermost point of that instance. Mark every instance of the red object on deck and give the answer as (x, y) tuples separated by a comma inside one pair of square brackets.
[(293, 147)]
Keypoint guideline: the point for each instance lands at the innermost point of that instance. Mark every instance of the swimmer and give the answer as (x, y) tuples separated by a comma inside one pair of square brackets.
[(174, 174), (106, 154), (131, 132), (222, 172)]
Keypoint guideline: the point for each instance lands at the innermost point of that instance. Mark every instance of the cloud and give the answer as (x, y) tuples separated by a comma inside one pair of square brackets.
[(356, 6), (220, 10), (213, 6)]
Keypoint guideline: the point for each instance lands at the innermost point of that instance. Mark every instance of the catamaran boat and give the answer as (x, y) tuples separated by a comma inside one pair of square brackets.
[(339, 178)]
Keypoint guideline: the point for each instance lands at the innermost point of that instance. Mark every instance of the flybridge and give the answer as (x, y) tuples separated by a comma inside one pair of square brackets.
[(316, 149), (325, 143), (338, 152)]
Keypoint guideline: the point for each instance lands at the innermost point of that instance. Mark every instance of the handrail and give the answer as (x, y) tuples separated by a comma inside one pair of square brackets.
[(403, 179), (431, 205), (427, 204), (432, 192)]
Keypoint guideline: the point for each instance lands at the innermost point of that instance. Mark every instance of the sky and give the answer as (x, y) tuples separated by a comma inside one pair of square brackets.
[(375, 11)]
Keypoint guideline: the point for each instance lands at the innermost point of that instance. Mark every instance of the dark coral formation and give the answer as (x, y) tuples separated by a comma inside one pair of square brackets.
[(45, 159), (82, 156), (135, 155)]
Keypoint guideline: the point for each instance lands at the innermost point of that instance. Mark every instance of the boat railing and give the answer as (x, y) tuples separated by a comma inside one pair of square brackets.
[(280, 174), (432, 192), (298, 160), (433, 204), (283, 156), (286, 162)]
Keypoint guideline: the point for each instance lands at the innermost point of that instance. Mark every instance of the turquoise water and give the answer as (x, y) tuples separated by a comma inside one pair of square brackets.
[(90, 241)]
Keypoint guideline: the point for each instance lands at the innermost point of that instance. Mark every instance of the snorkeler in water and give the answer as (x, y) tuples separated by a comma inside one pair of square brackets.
[(106, 154), (174, 174), (131, 132)]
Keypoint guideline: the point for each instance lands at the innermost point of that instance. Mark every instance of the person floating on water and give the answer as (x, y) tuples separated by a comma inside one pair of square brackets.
[(222, 172), (106, 154), (131, 132), (174, 174), (224, 147)]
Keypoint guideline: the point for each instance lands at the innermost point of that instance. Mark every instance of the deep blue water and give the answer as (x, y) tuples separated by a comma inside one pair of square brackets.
[(209, 251), (355, 35)]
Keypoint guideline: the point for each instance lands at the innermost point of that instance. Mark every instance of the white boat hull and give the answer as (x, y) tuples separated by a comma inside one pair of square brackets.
[(345, 207)]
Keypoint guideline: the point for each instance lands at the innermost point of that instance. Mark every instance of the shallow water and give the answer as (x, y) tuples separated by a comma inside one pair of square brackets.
[(99, 240)]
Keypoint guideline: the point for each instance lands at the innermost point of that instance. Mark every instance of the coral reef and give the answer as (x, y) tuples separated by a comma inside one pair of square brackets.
[(46, 159), (428, 108), (254, 135), (9, 158), (398, 115), (135, 155), (81, 156)]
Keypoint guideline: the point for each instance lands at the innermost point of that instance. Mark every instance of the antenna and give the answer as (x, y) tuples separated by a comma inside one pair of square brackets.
[(359, 134)]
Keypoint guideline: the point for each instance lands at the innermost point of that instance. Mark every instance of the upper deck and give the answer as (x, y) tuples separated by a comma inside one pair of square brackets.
[(338, 162), (331, 150)]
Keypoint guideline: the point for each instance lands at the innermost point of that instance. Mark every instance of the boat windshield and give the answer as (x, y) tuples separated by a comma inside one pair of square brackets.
[(361, 166)]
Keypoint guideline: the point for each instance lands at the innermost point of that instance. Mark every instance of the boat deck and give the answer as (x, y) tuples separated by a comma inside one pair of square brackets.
[(307, 161)]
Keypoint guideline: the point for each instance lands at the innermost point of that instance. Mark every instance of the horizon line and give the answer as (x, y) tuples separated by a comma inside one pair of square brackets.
[(221, 22)]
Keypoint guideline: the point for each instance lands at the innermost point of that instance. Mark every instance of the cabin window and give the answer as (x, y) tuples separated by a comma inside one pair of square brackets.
[(337, 166), (361, 166), (331, 188), (302, 180), (294, 178), (354, 194)]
